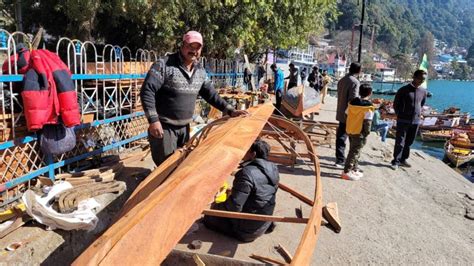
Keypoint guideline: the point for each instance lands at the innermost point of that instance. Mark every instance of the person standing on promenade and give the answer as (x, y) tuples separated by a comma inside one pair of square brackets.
[(303, 75), (347, 89), (359, 119), (293, 77), (278, 84), (326, 80), (169, 94), (408, 104), (315, 80)]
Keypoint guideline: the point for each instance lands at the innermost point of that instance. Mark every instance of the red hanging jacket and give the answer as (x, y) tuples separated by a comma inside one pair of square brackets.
[(21, 58), (48, 92)]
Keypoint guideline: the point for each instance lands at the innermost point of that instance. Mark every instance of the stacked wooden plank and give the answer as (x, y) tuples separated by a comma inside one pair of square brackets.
[(6, 128)]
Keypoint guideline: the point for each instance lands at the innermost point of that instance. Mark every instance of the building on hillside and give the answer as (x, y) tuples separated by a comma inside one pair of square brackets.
[(384, 73), (447, 58), (335, 64), (301, 58)]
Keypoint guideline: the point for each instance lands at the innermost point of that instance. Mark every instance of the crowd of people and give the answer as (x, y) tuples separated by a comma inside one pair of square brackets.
[(357, 115), (169, 93)]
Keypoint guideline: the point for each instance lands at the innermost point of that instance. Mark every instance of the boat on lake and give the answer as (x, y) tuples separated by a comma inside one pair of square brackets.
[(436, 135), (460, 149)]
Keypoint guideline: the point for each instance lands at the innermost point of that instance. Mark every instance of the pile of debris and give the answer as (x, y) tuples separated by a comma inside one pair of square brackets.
[(67, 202)]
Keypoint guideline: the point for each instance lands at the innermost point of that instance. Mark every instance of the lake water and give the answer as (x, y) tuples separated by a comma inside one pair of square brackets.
[(445, 94)]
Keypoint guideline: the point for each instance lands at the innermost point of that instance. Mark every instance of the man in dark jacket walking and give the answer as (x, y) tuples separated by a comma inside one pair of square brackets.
[(169, 94), (253, 191), (347, 89), (314, 79), (293, 76), (408, 103)]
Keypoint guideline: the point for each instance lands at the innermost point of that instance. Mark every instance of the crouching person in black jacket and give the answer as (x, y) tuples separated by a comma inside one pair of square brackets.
[(254, 191)]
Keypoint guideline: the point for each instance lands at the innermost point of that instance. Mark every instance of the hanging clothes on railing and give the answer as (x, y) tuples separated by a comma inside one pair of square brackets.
[(48, 92)]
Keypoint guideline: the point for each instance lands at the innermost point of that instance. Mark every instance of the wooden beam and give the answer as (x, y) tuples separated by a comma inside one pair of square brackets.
[(255, 217), (198, 260), (331, 214), (267, 260), (295, 193), (284, 253)]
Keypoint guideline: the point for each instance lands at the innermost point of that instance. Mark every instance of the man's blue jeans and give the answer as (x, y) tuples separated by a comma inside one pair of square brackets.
[(383, 129)]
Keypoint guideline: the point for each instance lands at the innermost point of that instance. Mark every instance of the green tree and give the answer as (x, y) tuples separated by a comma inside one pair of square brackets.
[(368, 64), (402, 23), (461, 71), (403, 65), (158, 24), (470, 55), (427, 47)]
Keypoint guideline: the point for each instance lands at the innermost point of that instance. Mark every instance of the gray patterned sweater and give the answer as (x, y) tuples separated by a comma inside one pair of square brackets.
[(169, 92)]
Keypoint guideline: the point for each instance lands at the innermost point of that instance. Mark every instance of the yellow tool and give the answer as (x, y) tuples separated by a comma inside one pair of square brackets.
[(12, 212), (221, 196)]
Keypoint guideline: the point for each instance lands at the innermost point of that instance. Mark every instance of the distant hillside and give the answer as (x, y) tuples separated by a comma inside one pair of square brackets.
[(401, 23)]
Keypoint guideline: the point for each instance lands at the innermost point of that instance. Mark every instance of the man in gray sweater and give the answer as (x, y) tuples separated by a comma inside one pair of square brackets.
[(347, 89), (169, 95)]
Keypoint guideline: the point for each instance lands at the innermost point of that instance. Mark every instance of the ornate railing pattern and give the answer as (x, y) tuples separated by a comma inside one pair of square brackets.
[(107, 79)]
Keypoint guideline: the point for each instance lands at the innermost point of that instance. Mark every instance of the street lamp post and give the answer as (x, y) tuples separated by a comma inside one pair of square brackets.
[(361, 30)]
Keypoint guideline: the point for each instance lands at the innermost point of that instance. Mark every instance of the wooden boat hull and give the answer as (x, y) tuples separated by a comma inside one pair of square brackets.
[(299, 111), (156, 217)]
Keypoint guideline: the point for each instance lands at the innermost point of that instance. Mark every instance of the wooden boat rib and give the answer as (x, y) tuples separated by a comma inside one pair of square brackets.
[(308, 241), (155, 218)]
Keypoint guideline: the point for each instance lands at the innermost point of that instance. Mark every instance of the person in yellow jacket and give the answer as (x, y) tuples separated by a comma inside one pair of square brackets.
[(358, 124)]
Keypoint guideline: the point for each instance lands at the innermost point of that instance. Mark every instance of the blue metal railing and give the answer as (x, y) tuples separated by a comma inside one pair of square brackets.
[(50, 164), (17, 78)]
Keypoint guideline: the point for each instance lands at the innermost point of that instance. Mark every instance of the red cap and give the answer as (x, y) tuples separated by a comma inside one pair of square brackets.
[(193, 37)]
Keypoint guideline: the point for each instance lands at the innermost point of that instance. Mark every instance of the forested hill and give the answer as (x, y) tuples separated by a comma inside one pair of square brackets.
[(401, 23)]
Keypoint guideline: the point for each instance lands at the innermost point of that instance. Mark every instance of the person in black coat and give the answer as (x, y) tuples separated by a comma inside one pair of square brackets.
[(408, 104), (315, 79), (253, 191), (248, 78)]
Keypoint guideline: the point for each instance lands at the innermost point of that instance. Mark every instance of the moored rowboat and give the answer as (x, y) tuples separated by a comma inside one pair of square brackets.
[(458, 155), (436, 135)]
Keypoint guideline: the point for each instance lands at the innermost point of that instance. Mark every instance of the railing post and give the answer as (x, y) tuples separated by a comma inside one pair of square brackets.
[(50, 162)]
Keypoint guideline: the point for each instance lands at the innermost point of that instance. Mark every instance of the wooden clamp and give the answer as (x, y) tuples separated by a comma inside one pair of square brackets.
[(331, 214), (284, 253)]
